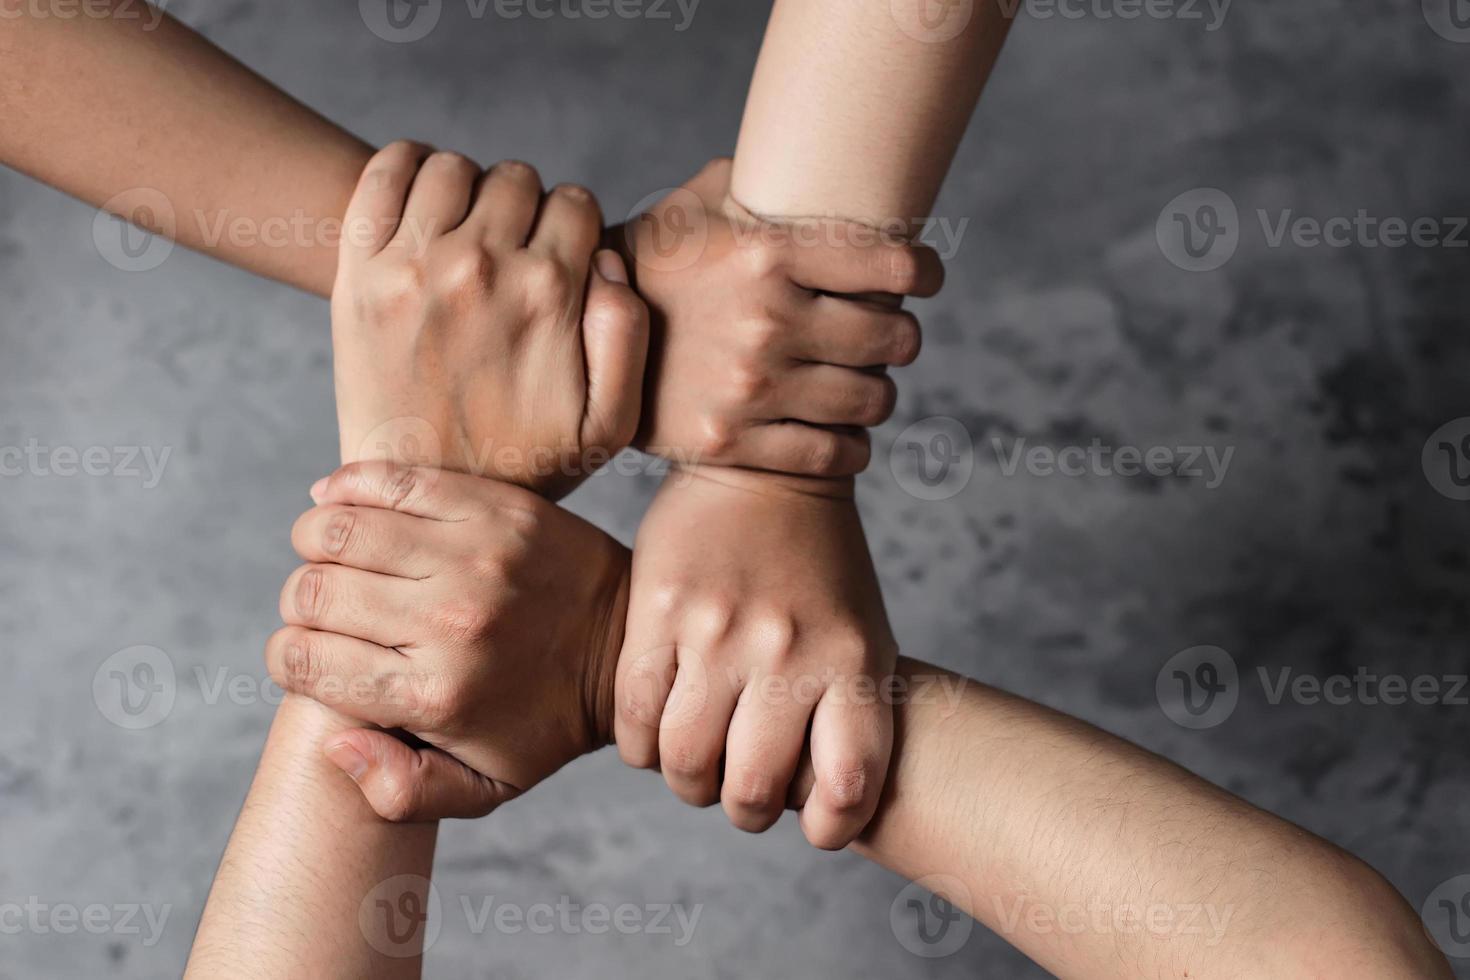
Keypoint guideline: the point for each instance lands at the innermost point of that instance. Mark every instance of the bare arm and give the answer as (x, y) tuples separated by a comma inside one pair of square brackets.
[(857, 106), (96, 106), (1098, 859), (309, 885), (854, 113)]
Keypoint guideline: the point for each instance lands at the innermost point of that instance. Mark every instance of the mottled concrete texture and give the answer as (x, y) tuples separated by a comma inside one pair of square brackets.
[(1324, 548)]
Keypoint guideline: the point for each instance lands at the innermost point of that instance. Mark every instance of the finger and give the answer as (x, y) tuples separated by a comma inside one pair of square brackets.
[(804, 450), (384, 610), (373, 214), (761, 752), (851, 741), (864, 260), (852, 334), (615, 344), (372, 539), (404, 784), (438, 200), (823, 394), (353, 677), (505, 208), (694, 728), (568, 227), (418, 491), (645, 674)]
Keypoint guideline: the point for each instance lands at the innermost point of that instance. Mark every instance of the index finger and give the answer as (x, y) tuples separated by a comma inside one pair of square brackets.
[(420, 491), (376, 208), (860, 259)]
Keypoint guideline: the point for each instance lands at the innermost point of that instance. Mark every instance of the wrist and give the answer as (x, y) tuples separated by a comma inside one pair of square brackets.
[(600, 674), (764, 482)]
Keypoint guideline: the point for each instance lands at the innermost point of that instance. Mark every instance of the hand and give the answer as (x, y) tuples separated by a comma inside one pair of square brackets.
[(754, 362), (469, 613), (461, 335), (755, 612)]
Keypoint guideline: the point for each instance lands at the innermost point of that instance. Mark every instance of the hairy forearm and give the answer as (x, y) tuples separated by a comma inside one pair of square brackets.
[(857, 106), (1099, 859), (305, 884), (98, 106)]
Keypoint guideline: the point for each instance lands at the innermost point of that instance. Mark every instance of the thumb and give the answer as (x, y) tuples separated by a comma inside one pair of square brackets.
[(410, 785), (615, 344)]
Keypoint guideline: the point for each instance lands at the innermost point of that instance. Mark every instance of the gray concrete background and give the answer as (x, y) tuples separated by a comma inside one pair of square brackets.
[(1326, 547)]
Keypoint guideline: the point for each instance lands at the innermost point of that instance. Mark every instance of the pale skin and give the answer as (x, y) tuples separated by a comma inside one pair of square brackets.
[(1093, 857), (850, 117)]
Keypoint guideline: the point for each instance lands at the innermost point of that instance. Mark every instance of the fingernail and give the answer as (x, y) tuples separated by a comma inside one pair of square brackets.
[(348, 759), (319, 490), (610, 267)]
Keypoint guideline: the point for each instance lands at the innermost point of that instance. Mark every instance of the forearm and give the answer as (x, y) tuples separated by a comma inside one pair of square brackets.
[(295, 892), (856, 107), (100, 105), (1098, 859)]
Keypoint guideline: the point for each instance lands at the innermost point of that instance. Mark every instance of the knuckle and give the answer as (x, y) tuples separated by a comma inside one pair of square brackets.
[(434, 702), (399, 801), (908, 340), (846, 783), (775, 632), (340, 532), (749, 788), (717, 436), (546, 281), (464, 619), (576, 194), (687, 762), (466, 272), (310, 597), (821, 454), (748, 384), (762, 259), (301, 662), (451, 163), (393, 287), (877, 402), (763, 331), (401, 484), (518, 170), (903, 270)]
